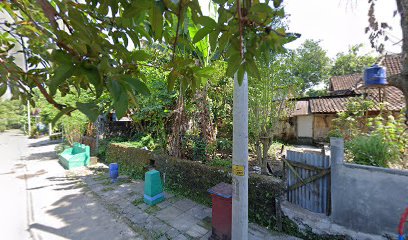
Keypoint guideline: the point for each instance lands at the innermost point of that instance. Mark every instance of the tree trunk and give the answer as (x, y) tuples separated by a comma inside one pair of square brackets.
[(266, 144), (401, 81), (258, 149), (205, 122), (178, 129)]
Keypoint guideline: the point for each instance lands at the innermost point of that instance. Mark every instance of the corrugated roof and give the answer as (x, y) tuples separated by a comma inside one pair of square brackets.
[(301, 108)]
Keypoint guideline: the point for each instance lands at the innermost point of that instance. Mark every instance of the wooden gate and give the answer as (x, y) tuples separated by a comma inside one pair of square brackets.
[(308, 180)]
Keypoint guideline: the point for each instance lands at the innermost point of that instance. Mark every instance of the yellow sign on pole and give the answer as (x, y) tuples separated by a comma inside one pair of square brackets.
[(238, 170)]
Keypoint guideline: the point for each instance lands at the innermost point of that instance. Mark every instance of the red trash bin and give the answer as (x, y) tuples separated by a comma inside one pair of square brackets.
[(221, 211)]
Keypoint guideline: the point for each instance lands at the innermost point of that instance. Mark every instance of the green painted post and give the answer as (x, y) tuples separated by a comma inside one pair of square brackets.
[(153, 188)]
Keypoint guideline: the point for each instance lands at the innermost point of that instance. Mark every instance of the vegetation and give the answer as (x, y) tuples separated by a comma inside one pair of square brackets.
[(351, 62), (12, 114), (311, 64), (380, 140), (270, 103)]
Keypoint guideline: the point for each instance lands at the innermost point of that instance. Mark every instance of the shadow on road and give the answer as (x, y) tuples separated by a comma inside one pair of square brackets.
[(44, 142), (79, 215), (31, 175), (42, 156)]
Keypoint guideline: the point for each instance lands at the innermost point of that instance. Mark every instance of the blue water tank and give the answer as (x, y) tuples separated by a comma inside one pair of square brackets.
[(113, 171), (375, 75)]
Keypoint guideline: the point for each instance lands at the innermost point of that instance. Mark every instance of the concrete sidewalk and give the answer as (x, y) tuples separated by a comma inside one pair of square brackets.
[(175, 218), (41, 202)]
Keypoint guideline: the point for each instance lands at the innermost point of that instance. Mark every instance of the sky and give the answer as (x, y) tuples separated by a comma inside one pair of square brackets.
[(338, 24)]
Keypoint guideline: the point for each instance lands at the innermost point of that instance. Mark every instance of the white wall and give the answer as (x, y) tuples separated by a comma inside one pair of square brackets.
[(305, 126)]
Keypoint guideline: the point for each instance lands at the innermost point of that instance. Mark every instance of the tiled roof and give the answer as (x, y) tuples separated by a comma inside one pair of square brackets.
[(345, 82), (344, 88), (393, 97), (390, 95), (393, 63), (328, 105)]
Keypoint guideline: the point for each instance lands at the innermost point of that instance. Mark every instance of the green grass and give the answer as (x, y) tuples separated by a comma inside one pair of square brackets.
[(137, 201), (152, 209), (108, 189)]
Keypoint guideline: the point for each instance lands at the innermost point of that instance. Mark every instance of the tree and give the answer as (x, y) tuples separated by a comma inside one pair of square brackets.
[(268, 104), (88, 46), (351, 62), (311, 64)]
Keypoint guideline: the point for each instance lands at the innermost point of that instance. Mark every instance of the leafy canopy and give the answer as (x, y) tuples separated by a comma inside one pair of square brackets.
[(99, 46), (351, 62)]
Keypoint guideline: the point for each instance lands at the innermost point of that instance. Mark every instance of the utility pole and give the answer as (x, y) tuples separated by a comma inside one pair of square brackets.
[(240, 160)]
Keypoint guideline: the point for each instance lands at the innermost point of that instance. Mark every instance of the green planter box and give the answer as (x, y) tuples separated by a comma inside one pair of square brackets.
[(77, 156)]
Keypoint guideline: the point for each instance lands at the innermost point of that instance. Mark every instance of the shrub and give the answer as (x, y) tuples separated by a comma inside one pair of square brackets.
[(371, 150), (144, 141), (218, 162), (192, 179), (2, 127), (224, 146)]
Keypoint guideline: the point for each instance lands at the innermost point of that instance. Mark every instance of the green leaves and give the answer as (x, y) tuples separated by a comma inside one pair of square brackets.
[(91, 110), (61, 74), (209, 25), (121, 105), (207, 22), (137, 85), (62, 113), (201, 34), (171, 80), (92, 73), (261, 13), (3, 88), (234, 62), (156, 19), (140, 55)]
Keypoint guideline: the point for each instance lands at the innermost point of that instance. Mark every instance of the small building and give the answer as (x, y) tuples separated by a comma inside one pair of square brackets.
[(311, 119)]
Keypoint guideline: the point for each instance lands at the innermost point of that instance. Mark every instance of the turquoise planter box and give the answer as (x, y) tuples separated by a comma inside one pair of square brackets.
[(77, 156), (153, 188)]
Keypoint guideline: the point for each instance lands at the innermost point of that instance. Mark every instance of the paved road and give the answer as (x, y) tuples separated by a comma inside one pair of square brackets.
[(13, 196), (38, 201)]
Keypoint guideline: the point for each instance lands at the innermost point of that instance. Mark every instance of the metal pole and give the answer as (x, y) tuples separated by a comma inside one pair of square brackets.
[(240, 161), (49, 129), (29, 117)]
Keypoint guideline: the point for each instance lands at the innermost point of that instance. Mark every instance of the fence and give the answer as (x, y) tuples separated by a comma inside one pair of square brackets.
[(308, 180)]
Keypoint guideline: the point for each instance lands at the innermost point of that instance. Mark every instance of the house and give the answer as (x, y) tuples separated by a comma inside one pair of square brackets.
[(311, 119)]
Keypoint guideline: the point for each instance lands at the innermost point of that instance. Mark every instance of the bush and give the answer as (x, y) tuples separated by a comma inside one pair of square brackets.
[(55, 136), (224, 146), (2, 127), (371, 150), (218, 162), (192, 179), (144, 141)]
